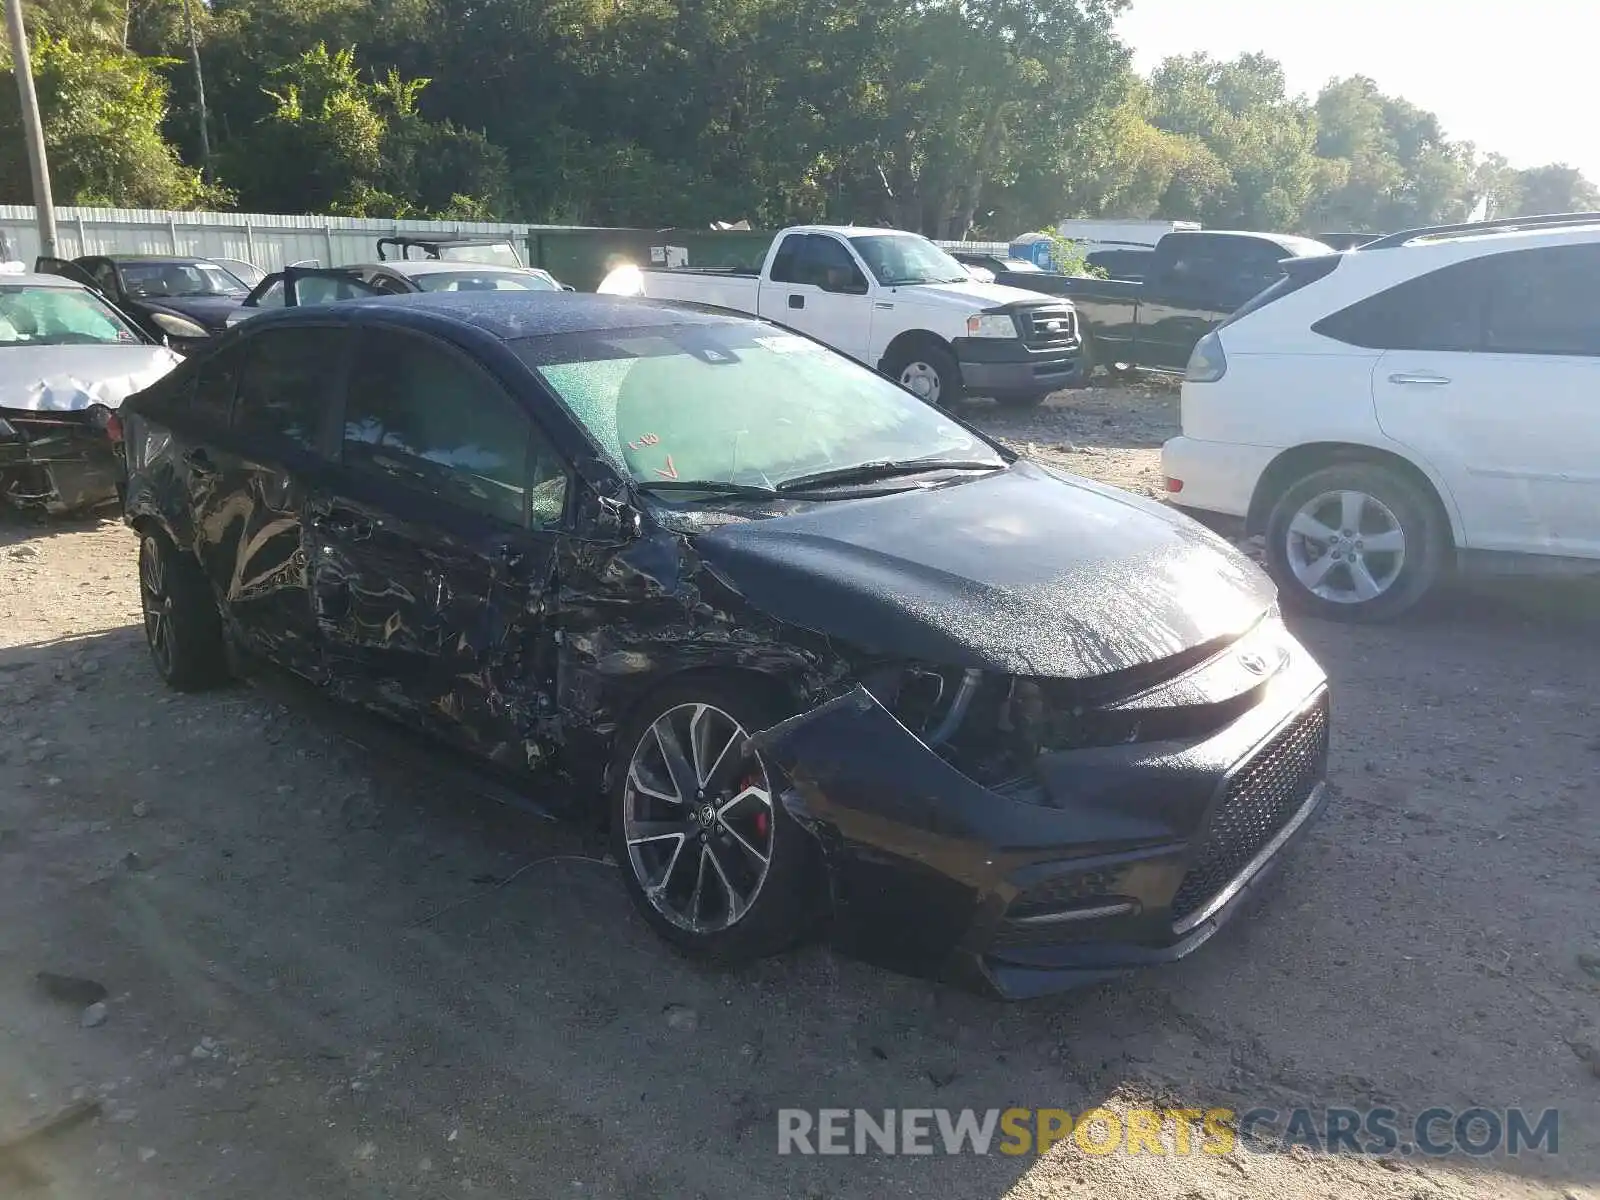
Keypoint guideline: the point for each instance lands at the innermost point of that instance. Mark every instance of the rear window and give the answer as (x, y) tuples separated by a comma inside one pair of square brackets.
[(483, 281), (1442, 310)]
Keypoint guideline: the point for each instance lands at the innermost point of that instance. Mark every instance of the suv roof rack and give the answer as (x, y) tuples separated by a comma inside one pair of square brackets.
[(1544, 221)]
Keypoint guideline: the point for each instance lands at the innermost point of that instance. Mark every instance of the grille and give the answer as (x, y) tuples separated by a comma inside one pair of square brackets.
[(1260, 800), (1048, 326)]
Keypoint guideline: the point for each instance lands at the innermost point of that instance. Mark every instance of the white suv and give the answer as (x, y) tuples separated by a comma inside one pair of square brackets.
[(1431, 400)]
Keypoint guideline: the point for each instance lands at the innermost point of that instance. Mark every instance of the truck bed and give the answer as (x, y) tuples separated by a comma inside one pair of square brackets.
[(734, 288)]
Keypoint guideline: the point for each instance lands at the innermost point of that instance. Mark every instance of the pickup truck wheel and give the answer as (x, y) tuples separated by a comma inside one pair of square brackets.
[(1355, 542), (928, 370), (710, 855)]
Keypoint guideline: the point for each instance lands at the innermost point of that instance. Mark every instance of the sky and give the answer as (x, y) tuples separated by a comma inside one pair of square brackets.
[(1517, 78)]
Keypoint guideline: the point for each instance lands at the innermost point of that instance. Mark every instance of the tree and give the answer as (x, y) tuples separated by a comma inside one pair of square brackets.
[(103, 110), (1556, 188), (1261, 165), (335, 142)]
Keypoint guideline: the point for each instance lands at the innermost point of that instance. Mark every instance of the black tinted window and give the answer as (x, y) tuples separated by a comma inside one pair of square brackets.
[(1442, 310), (827, 264), (288, 377), (786, 262), (215, 382), (424, 417), (1544, 301)]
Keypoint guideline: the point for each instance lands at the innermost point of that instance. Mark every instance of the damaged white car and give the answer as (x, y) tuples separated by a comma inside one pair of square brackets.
[(67, 362)]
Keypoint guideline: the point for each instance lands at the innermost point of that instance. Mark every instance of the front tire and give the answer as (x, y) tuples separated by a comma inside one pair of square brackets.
[(710, 856), (930, 371), (1356, 542), (181, 624)]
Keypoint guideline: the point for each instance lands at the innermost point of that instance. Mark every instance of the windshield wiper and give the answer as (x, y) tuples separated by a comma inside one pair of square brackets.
[(884, 469), (716, 487)]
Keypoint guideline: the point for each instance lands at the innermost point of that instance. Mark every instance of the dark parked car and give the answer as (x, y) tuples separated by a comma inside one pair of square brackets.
[(814, 646), (1191, 281), (182, 300)]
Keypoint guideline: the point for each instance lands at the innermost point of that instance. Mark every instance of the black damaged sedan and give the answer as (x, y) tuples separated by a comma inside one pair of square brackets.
[(819, 654)]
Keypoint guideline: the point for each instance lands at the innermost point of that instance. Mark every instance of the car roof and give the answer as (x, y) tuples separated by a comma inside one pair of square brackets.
[(33, 279), (510, 316), (149, 258), (849, 230)]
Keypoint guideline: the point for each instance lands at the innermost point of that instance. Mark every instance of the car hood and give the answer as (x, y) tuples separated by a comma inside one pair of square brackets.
[(210, 311), (1024, 571), (70, 378), (968, 296)]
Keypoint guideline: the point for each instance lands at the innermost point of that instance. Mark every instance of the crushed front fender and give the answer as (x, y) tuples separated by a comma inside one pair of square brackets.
[(1073, 873)]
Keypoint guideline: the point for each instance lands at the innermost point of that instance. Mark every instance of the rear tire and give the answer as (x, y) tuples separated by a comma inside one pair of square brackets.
[(1356, 542), (928, 370), (182, 626), (710, 856)]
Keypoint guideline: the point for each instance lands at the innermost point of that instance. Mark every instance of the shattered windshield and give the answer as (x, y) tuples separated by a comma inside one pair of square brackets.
[(740, 403), (900, 259), (151, 281), (58, 316)]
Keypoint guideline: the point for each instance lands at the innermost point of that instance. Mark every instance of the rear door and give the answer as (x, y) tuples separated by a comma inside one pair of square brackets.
[(437, 544), (1492, 369), (1178, 302), (283, 429), (45, 265)]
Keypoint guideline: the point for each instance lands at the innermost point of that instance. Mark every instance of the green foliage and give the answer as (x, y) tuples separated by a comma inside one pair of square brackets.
[(1069, 257), (956, 117), (102, 111), (339, 143)]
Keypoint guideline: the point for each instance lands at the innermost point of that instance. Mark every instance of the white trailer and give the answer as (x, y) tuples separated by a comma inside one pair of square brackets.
[(1096, 232)]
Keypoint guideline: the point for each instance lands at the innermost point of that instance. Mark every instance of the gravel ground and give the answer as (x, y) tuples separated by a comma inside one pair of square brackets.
[(333, 972)]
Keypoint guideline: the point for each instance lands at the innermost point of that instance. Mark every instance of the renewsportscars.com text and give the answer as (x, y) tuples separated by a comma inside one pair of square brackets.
[(1434, 1132)]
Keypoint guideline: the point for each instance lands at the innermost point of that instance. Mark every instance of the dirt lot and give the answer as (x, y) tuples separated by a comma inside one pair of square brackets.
[(331, 975)]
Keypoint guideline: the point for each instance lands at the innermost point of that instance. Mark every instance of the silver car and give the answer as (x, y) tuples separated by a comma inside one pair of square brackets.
[(67, 362)]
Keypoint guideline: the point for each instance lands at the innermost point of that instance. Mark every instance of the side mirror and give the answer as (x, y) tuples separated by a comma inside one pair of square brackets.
[(608, 518), (844, 285)]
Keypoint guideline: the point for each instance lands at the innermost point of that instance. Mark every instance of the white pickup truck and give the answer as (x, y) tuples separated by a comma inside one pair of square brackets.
[(896, 302)]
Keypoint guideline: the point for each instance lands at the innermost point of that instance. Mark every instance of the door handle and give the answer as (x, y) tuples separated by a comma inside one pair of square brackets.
[(797, 301), (1425, 380)]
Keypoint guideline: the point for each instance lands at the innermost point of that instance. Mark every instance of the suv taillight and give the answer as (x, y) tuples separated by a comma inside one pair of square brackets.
[(1207, 362)]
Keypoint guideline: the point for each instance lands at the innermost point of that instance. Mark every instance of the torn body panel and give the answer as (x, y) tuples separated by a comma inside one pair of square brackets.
[(1076, 869), (57, 462)]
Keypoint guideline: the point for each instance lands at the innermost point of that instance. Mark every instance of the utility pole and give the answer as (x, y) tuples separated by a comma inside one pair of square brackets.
[(32, 129), (199, 90)]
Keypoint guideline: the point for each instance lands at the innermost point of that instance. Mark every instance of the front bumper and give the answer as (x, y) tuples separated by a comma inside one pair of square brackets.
[(1105, 859), (55, 462), (1008, 366)]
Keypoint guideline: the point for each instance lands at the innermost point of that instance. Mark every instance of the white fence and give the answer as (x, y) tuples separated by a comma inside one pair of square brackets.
[(270, 241)]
